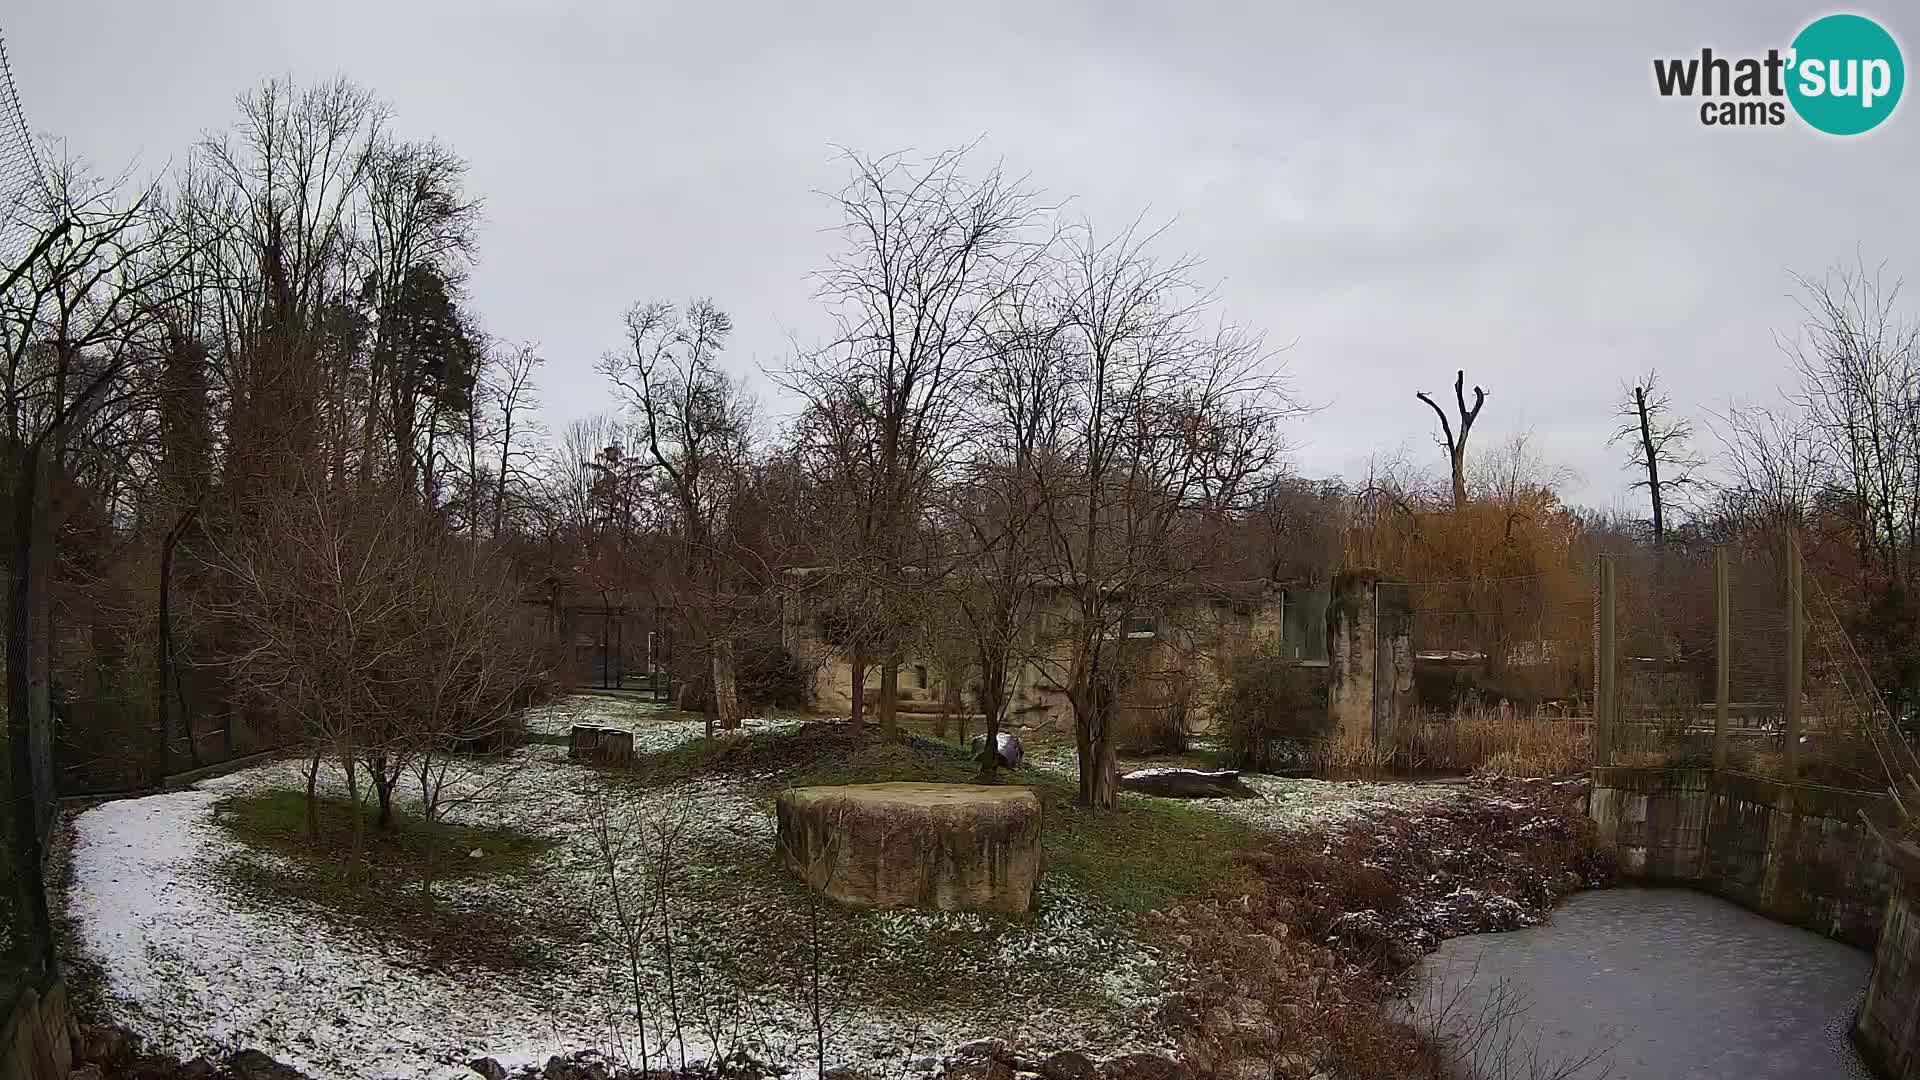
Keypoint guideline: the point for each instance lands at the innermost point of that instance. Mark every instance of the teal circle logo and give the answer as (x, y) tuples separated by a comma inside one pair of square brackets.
[(1846, 75)]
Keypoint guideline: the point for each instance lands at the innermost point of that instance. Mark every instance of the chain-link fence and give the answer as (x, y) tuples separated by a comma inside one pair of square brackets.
[(1491, 673), (19, 172), (1521, 642), (26, 948), (1702, 663), (1675, 654)]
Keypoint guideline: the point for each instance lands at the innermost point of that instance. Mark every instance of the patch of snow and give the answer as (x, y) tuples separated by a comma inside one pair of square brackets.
[(196, 966)]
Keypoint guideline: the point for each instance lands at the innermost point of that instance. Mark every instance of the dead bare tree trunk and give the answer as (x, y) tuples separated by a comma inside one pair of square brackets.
[(1648, 450), (726, 683), (1456, 446), (1660, 449)]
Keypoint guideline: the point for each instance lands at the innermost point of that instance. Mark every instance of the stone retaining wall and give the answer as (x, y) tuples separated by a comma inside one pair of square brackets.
[(1888, 1029), (35, 1043), (1798, 853)]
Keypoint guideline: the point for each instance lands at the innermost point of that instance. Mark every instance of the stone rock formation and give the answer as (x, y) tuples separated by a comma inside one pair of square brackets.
[(952, 847), (1011, 752), (1187, 784)]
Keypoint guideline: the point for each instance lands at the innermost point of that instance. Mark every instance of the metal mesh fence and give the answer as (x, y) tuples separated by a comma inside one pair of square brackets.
[(25, 933), (1676, 655), (19, 171), (1522, 641), (1799, 707)]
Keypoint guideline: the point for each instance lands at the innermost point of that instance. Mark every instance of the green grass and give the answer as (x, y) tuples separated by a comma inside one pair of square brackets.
[(277, 822), (1142, 855), (389, 890)]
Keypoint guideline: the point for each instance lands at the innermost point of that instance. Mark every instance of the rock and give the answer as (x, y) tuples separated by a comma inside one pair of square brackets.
[(923, 1064), (488, 1068), (104, 1045), (977, 1069), (254, 1065), (87, 1072), (951, 847), (1269, 947), (1188, 784), (1011, 752), (981, 1049), (476, 853), (844, 1072), (1218, 1021), (199, 1069), (1143, 1066), (1068, 1065)]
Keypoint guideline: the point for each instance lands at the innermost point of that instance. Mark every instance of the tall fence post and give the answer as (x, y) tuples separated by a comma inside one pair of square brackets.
[(1796, 653), (1606, 698), (1723, 654)]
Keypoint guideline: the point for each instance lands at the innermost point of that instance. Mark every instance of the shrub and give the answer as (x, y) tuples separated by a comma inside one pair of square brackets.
[(770, 677), (1154, 719), (1498, 741), (1269, 706)]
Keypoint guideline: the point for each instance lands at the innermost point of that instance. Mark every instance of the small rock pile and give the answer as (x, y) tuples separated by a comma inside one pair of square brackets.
[(109, 1052)]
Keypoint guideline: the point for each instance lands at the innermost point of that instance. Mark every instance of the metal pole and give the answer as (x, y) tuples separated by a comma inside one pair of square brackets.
[(1796, 653), (1723, 655), (1606, 713), (1374, 706)]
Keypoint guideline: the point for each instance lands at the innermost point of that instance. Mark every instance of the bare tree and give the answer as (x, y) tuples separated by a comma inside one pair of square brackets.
[(1164, 424), (993, 505), (77, 323), (1660, 448), (1456, 445), (695, 424), (514, 396), (1858, 357), (1772, 465), (930, 255)]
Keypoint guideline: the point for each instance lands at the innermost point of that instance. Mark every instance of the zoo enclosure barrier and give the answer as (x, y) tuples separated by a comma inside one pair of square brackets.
[(1728, 656)]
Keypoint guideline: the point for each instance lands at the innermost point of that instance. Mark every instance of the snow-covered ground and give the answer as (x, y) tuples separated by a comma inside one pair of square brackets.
[(1285, 804), (197, 967), (656, 726)]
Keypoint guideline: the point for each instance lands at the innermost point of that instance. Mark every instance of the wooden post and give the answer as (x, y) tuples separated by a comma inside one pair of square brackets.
[(1606, 705), (1796, 654), (1723, 655)]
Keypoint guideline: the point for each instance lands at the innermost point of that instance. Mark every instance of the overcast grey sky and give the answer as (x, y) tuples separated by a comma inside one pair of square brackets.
[(1399, 192)]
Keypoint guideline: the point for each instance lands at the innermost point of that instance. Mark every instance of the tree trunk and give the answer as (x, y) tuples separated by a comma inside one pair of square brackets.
[(313, 797), (1093, 735), (992, 703), (383, 782), (1653, 465), (168, 690), (1458, 457), (857, 661), (949, 704), (889, 698), (24, 623), (726, 684)]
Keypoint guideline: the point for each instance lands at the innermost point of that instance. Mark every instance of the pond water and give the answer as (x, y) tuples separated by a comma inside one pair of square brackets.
[(1653, 984)]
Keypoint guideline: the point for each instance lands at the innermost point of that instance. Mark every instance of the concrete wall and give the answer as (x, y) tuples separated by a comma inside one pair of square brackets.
[(1191, 643), (1797, 853), (1888, 1029), (35, 1043), (1370, 651)]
